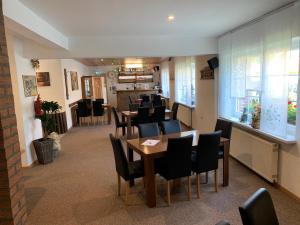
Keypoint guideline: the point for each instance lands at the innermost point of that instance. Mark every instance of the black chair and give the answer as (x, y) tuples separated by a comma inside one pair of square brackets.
[(205, 159), (142, 116), (177, 162), (147, 105), (83, 111), (145, 98), (148, 130), (134, 107), (98, 110), (88, 102), (225, 127), (156, 101), (127, 170), (171, 126), (175, 110), (159, 114), (100, 100), (118, 124), (259, 209), (130, 100), (223, 222)]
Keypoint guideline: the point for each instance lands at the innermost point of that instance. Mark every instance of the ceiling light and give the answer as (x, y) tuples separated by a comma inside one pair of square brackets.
[(171, 18)]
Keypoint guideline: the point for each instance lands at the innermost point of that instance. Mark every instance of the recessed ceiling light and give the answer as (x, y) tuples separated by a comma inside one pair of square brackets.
[(171, 17)]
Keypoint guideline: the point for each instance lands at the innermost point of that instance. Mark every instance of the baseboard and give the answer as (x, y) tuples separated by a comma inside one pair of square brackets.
[(274, 184), (287, 192)]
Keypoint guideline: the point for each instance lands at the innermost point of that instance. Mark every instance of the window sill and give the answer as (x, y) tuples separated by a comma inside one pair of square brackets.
[(289, 140), (187, 106)]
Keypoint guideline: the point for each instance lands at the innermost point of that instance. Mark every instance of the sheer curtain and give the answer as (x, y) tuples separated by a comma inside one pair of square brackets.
[(256, 63), (165, 79), (185, 80)]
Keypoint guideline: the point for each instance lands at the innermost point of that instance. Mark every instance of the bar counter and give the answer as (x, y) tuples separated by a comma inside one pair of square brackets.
[(123, 97)]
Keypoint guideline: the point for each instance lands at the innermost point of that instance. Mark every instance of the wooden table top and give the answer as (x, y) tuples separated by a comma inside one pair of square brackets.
[(134, 113), (161, 147)]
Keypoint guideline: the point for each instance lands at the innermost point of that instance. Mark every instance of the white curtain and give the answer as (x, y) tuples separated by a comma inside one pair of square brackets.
[(259, 58), (165, 79), (185, 80)]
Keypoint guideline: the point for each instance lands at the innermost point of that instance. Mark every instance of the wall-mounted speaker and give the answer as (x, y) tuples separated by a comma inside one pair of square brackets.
[(213, 63)]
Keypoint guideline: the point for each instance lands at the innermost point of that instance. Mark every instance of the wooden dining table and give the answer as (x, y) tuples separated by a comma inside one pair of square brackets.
[(149, 153), (128, 115)]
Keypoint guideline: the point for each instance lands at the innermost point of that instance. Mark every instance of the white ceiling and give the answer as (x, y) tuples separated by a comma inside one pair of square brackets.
[(202, 18)]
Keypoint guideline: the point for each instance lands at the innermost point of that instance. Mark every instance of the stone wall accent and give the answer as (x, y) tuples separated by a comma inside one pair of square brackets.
[(12, 198)]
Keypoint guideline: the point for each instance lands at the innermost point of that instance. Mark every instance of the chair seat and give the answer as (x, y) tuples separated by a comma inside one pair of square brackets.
[(122, 124), (136, 169)]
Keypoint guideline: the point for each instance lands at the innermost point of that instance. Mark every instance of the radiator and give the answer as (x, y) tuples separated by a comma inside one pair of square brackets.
[(256, 153)]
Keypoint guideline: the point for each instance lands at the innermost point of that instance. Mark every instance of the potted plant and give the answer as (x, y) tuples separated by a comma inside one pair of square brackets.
[(44, 146)]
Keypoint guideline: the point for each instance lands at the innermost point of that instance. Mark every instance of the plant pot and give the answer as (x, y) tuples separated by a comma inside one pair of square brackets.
[(44, 150)]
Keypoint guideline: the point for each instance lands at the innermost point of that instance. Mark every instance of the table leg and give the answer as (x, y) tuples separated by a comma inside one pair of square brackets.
[(226, 164), (150, 181), (129, 127)]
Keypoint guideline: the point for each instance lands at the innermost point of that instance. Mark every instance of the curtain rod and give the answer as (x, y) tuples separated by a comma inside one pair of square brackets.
[(260, 18)]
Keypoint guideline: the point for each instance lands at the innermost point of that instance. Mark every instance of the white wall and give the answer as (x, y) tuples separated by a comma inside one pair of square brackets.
[(204, 114), (82, 70), (29, 128), (54, 92)]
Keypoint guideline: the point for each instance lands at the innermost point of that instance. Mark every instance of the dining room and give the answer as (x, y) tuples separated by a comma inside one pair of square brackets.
[(111, 115)]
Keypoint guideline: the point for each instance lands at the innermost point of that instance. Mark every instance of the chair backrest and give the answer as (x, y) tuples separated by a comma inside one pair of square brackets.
[(117, 121), (130, 100), (148, 130), (178, 157), (207, 151), (88, 101), (145, 98), (259, 209), (159, 114), (82, 109), (120, 157), (225, 127), (134, 107), (171, 126), (147, 104), (157, 100), (98, 109), (143, 115), (100, 100), (223, 222), (175, 110)]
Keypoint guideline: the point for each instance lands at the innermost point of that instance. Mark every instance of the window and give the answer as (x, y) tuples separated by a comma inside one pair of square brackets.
[(259, 73), (165, 79), (185, 80)]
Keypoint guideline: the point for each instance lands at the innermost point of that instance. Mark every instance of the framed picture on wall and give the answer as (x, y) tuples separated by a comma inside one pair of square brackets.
[(43, 79), (74, 80), (29, 84)]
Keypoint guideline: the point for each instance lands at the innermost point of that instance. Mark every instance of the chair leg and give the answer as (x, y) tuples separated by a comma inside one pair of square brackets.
[(168, 193), (216, 180), (198, 185), (189, 188), (127, 187), (119, 185)]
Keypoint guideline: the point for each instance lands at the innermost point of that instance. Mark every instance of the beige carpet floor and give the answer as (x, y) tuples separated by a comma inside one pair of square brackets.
[(79, 187)]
